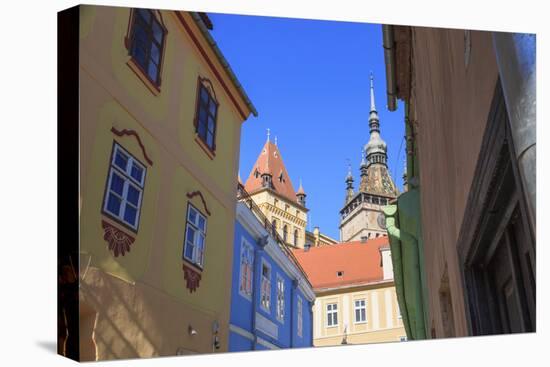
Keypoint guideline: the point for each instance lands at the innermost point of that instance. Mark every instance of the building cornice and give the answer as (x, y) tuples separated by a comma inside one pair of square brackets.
[(279, 196), (284, 214), (349, 288)]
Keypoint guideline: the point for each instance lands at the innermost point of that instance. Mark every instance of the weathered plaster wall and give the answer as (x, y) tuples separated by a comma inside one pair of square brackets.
[(450, 104)]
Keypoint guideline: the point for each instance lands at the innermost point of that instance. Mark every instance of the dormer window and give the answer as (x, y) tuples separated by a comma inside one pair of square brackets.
[(281, 178), (340, 274), (256, 173), (266, 180)]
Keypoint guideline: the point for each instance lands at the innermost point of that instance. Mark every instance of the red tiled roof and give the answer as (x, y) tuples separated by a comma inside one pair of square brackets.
[(359, 261), (271, 161)]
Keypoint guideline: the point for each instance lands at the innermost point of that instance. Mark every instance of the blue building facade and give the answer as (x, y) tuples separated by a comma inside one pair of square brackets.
[(271, 298)]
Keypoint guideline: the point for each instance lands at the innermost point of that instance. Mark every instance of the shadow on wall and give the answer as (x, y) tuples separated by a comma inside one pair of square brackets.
[(109, 344)]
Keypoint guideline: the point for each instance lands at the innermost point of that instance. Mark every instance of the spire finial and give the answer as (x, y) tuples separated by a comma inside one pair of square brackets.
[(268, 134), (372, 104), (275, 139), (349, 176)]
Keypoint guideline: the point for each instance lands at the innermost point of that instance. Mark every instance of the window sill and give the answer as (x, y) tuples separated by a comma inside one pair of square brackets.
[(360, 322), (118, 222), (245, 296), (210, 153), (193, 266), (331, 326), (138, 70)]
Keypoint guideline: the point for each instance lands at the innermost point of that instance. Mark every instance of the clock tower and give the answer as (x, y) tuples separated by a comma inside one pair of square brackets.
[(361, 217)]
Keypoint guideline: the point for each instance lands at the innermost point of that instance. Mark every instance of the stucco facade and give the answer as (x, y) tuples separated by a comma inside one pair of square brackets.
[(476, 226), (356, 299), (285, 321), (448, 146), (383, 321), (139, 296)]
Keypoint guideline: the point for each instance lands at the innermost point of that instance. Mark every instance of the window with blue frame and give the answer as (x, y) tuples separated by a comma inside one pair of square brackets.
[(299, 319), (195, 236), (265, 291), (280, 298), (124, 191), (147, 42), (247, 271)]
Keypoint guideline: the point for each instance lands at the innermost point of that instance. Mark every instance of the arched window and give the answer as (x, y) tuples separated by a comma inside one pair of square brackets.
[(285, 233), (295, 237)]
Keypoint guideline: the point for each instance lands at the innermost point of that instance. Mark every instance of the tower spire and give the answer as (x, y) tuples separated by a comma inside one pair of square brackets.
[(376, 149), (372, 104), (268, 134)]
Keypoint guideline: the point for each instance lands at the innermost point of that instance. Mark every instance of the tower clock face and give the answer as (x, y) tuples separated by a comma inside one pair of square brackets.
[(381, 221)]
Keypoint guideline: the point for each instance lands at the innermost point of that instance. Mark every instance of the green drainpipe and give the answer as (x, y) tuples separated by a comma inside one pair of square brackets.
[(404, 230)]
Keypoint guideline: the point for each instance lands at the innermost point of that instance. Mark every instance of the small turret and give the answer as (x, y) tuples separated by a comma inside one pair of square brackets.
[(349, 185), (301, 195)]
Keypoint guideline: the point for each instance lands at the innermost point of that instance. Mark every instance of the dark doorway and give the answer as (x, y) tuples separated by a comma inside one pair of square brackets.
[(496, 246)]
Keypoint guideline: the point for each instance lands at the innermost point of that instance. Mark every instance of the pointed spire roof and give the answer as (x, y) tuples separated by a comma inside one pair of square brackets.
[(376, 145), (301, 189), (349, 177), (372, 104), (376, 178), (271, 162)]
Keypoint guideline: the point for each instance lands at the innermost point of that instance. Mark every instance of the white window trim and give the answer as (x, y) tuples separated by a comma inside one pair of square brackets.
[(280, 317), (128, 180), (268, 265), (299, 316), (194, 259), (333, 311), (246, 244), (355, 308)]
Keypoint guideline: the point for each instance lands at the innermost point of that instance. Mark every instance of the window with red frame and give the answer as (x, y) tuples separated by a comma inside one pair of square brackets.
[(147, 42)]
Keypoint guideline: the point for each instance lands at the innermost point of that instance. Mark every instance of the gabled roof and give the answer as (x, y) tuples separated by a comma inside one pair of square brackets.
[(271, 161), (359, 262)]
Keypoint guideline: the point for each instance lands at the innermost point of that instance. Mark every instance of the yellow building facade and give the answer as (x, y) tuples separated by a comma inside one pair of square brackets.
[(356, 301), (160, 120), (382, 321)]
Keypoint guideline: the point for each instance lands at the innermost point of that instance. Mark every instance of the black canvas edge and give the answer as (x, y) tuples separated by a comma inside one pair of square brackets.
[(68, 238)]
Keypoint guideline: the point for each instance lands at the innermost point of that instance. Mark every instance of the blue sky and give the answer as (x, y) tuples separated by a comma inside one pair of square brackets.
[(309, 80)]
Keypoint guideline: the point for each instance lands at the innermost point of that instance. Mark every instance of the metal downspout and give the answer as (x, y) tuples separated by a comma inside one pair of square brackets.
[(397, 261), (389, 61), (257, 285), (292, 295), (516, 59)]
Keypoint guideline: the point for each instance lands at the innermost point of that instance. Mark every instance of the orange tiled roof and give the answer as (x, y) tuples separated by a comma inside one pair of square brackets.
[(359, 261), (271, 161)]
